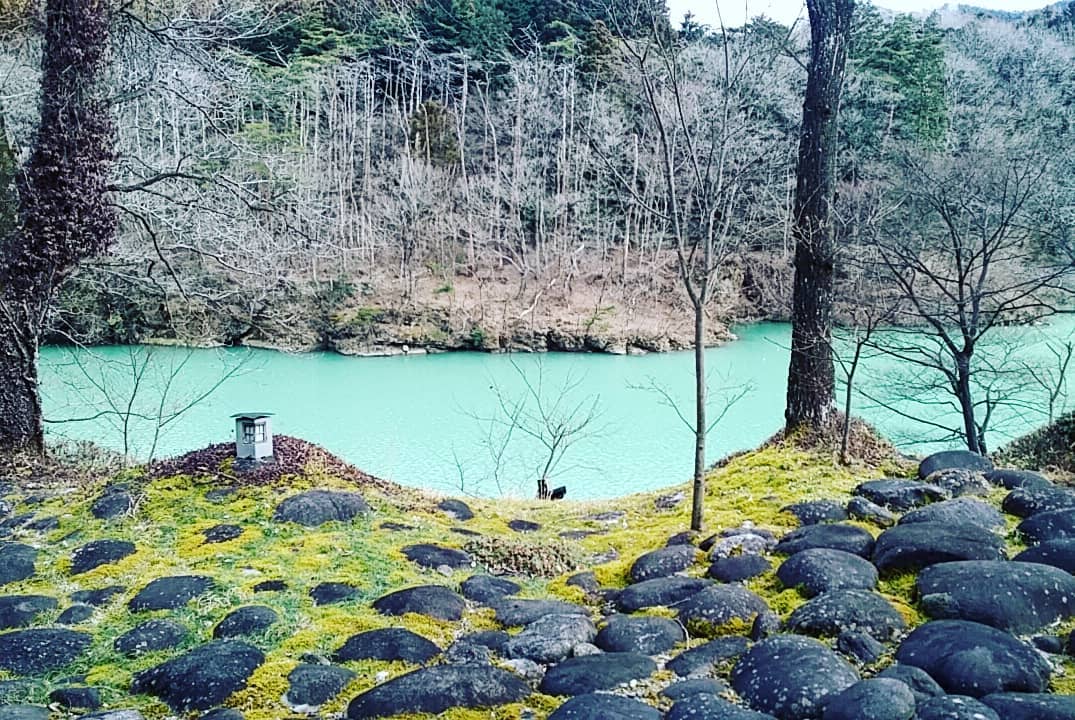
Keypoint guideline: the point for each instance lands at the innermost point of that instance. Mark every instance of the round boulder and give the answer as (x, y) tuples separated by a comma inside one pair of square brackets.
[(439, 688), (590, 673), (661, 592), (310, 686), (954, 707), (169, 593), (486, 588), (550, 638), (21, 610), (820, 570), (16, 562), (918, 545), (663, 562), (150, 636), (513, 612), (244, 621), (99, 552), (1027, 501), (813, 512), (202, 678), (922, 686), (595, 706), (1058, 553), (1032, 706), (876, 699), (738, 568), (790, 677), (698, 661), (41, 650), (900, 494), (968, 658), (317, 507), (835, 612), (712, 609), (1012, 479), (1015, 596), (432, 600), (960, 459), (706, 706), (835, 536), (1049, 525), (388, 644), (433, 556), (645, 635), (959, 511)]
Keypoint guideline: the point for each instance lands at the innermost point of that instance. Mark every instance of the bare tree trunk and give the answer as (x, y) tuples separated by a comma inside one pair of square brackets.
[(700, 424), (811, 376), (966, 405)]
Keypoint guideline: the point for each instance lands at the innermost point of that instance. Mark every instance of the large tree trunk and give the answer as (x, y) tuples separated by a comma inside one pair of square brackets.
[(811, 376), (966, 405), (20, 402), (698, 494), (63, 213)]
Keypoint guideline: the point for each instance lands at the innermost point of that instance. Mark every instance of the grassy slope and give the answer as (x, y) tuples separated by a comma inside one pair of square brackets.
[(173, 513)]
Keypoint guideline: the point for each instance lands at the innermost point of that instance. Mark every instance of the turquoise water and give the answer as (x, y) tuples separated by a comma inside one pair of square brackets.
[(436, 421)]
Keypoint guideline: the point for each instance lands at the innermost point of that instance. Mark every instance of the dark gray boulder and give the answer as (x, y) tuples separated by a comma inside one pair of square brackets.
[(331, 593), (663, 562), (918, 545), (202, 678), (310, 686), (439, 688), (245, 621), (1015, 596), (712, 707), (955, 707), (835, 612), (523, 526), (1012, 479), (513, 612), (959, 511), (660, 592), (222, 533), (1049, 525), (968, 658), (922, 686), (813, 512), (16, 562), (75, 614), (214, 714), (590, 673), (595, 706), (862, 509), (819, 570), (115, 502), (738, 568), (714, 607), (899, 494), (695, 686), (99, 552), (486, 588), (790, 677), (550, 638), (20, 610), (836, 536), (432, 600), (388, 644), (961, 459), (645, 635), (1027, 501), (150, 636), (1032, 706), (700, 660), (456, 509), (85, 698), (859, 646), (317, 507), (1058, 553), (585, 581), (432, 556), (98, 597), (876, 699), (169, 593), (956, 482), (41, 650)]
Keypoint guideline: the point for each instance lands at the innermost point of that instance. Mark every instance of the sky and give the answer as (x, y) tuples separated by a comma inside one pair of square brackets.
[(735, 11)]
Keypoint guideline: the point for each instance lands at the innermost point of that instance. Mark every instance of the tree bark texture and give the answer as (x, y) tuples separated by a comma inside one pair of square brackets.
[(63, 214), (811, 375)]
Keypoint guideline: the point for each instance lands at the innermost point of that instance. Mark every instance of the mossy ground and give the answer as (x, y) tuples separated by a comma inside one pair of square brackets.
[(173, 512)]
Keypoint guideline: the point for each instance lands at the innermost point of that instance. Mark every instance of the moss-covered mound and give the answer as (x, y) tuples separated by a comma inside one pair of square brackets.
[(204, 596), (1050, 448)]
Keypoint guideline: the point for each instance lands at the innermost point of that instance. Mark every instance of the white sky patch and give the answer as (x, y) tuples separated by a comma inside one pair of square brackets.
[(735, 12)]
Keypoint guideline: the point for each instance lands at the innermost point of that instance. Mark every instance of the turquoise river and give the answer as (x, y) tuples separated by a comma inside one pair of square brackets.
[(444, 421)]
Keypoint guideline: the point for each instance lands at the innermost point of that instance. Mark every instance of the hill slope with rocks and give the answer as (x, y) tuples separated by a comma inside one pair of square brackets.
[(199, 589)]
